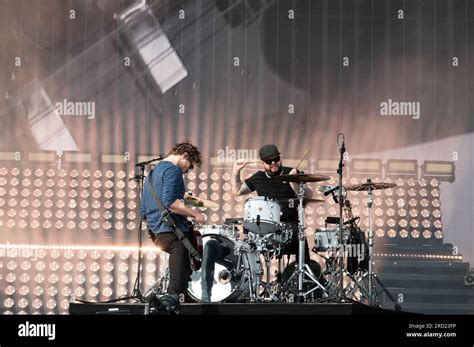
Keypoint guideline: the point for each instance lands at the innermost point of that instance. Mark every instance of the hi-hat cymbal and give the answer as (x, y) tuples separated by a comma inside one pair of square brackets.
[(198, 202), (370, 185), (302, 178)]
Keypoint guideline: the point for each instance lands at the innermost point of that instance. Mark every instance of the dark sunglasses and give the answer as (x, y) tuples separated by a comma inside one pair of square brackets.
[(273, 160)]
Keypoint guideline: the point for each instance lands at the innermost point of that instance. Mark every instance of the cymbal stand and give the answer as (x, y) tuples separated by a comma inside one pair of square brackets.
[(342, 150), (371, 298), (372, 278), (303, 270), (371, 244)]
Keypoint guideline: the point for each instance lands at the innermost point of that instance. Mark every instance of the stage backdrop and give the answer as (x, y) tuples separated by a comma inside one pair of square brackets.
[(90, 88)]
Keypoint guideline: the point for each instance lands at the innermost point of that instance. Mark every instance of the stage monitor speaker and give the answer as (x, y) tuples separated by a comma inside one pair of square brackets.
[(106, 309)]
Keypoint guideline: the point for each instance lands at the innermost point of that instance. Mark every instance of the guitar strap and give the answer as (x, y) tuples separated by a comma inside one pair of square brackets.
[(169, 221)]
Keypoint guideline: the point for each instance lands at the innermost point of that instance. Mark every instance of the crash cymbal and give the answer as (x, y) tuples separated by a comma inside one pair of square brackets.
[(370, 185), (302, 178), (198, 202)]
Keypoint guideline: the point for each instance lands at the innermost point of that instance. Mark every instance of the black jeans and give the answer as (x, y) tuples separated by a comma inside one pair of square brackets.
[(214, 252), (179, 262)]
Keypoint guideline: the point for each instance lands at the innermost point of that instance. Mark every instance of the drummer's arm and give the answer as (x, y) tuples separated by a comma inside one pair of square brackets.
[(239, 187), (242, 190)]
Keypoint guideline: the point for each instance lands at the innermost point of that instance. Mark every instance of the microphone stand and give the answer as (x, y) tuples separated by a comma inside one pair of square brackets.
[(342, 150), (139, 178)]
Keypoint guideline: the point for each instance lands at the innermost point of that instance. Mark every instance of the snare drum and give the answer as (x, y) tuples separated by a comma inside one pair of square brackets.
[(261, 215)]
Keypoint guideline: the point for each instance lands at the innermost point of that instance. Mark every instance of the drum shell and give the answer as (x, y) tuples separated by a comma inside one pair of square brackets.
[(222, 230), (328, 238), (261, 215), (237, 288)]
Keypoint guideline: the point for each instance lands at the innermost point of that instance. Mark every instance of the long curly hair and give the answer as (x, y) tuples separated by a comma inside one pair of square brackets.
[(186, 146)]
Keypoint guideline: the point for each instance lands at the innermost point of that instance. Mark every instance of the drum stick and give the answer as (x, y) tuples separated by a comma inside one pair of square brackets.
[(302, 157)]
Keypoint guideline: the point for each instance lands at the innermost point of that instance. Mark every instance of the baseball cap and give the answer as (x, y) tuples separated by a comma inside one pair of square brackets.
[(268, 151)]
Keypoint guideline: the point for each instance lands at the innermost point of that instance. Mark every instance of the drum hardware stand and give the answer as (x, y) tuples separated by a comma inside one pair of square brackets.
[(160, 286), (277, 282), (303, 269), (259, 266), (270, 287), (267, 285), (243, 267), (257, 283), (254, 283), (371, 245), (372, 293), (332, 268), (342, 150)]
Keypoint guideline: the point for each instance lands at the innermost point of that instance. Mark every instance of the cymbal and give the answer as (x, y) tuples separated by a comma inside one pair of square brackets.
[(371, 185), (198, 202), (302, 178)]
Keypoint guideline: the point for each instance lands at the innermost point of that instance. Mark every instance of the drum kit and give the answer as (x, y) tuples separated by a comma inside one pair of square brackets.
[(242, 277), (265, 237)]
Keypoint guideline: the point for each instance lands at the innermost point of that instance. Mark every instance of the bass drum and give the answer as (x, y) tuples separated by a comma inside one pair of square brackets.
[(231, 282)]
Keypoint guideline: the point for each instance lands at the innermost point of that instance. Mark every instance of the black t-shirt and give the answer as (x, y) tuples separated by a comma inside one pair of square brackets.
[(278, 190)]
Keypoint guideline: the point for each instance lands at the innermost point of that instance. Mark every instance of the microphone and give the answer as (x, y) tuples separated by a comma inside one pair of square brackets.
[(258, 220), (330, 190), (342, 144), (143, 163), (342, 147)]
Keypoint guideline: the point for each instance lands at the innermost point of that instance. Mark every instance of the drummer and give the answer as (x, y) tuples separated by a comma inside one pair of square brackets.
[(283, 192)]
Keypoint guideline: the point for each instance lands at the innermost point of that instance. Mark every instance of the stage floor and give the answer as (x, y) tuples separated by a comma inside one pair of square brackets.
[(235, 309)]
